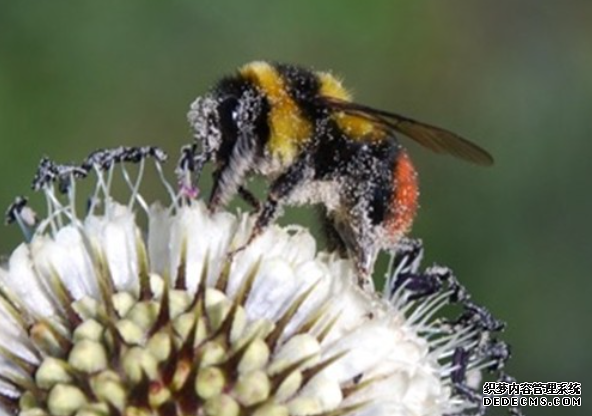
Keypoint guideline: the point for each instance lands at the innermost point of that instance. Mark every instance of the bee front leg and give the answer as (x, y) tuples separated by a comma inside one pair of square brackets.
[(229, 176)]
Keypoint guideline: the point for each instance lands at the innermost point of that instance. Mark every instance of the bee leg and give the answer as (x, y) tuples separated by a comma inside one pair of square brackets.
[(359, 244), (280, 190), (365, 259), (265, 217), (217, 190), (231, 174), (249, 198), (333, 238), (266, 214)]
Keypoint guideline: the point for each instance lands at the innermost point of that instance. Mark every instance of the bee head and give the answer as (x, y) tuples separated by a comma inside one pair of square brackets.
[(204, 119), (221, 121)]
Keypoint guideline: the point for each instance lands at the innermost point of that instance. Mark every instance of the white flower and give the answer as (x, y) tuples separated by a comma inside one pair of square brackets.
[(99, 317)]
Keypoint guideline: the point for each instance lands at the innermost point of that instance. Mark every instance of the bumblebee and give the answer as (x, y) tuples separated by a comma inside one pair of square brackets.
[(301, 130)]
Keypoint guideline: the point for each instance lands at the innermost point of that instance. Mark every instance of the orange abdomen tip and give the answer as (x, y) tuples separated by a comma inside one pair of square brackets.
[(404, 200)]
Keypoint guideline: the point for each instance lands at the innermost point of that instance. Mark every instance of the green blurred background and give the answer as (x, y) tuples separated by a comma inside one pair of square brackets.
[(513, 76)]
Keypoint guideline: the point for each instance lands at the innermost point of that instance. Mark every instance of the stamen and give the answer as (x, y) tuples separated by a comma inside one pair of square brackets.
[(23, 215), (460, 345), (135, 187)]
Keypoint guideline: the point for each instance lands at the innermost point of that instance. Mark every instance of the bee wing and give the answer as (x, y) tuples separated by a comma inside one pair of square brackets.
[(434, 138)]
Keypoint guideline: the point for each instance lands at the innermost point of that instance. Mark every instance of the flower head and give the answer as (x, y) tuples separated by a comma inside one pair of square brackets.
[(99, 316)]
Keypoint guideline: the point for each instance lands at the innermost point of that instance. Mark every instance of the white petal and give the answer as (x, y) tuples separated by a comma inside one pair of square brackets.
[(66, 255), (295, 245), (205, 237), (298, 348), (367, 346), (7, 391), (421, 393), (13, 336), (159, 227), (294, 248), (311, 276), (326, 392), (116, 236), (274, 287), (25, 283)]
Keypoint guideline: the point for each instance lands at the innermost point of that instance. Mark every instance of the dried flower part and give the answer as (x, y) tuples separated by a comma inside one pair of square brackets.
[(101, 318)]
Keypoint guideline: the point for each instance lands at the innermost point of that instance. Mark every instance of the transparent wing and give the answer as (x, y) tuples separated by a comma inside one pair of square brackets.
[(432, 137)]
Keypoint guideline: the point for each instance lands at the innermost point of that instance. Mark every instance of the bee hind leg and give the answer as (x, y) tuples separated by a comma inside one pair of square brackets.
[(333, 238), (365, 260), (360, 245)]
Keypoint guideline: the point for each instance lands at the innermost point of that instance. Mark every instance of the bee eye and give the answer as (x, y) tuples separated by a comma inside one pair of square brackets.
[(228, 111), (228, 116)]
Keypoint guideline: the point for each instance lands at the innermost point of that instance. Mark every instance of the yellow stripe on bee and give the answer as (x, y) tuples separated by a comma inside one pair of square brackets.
[(357, 128), (332, 87), (288, 128)]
